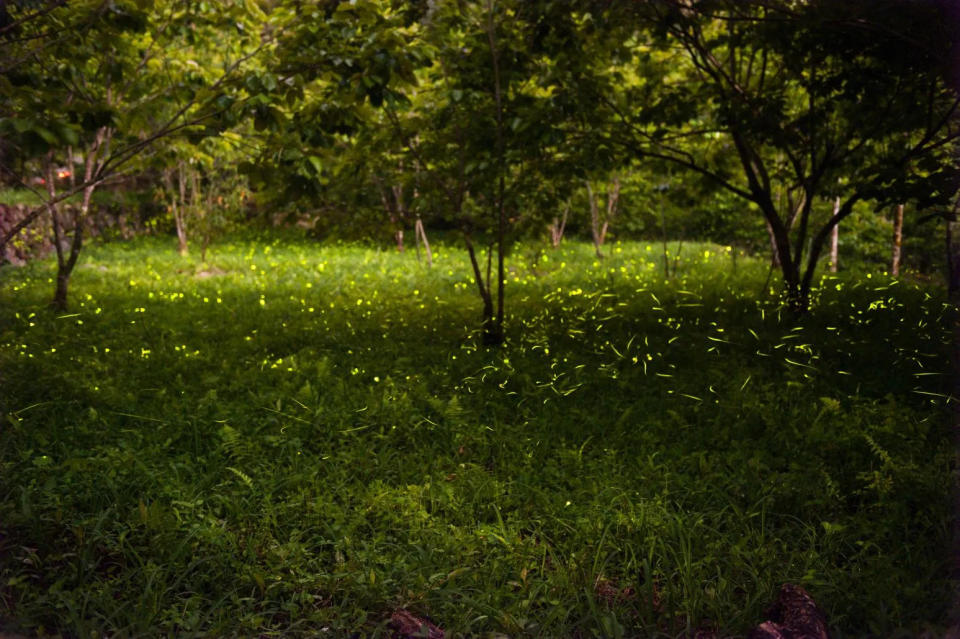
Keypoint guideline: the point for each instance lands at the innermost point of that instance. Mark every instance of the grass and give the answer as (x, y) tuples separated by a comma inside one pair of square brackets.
[(15, 197), (299, 439)]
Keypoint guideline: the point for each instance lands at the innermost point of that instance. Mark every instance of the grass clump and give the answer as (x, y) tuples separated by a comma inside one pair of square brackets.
[(297, 439)]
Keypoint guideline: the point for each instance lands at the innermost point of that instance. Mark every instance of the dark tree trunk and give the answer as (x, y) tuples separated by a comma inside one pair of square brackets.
[(797, 300), (816, 248), (392, 200), (492, 327), (594, 221), (835, 239), (774, 253), (59, 302), (493, 332)]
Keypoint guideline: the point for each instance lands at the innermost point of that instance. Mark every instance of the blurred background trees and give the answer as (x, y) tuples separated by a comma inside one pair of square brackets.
[(770, 127)]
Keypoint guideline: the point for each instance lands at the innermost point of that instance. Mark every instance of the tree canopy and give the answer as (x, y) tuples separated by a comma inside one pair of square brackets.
[(489, 114)]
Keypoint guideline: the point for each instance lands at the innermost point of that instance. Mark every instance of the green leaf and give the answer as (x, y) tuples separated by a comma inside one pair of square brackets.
[(46, 134)]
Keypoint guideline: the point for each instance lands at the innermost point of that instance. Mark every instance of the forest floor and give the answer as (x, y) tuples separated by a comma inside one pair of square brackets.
[(302, 439)]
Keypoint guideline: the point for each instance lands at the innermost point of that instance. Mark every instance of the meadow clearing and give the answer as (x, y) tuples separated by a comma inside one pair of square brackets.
[(297, 439)]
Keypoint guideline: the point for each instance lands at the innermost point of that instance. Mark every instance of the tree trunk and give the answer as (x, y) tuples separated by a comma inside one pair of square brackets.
[(490, 332), (182, 223), (176, 208), (59, 301), (613, 196), (421, 236), (393, 205), (835, 239), (594, 220), (182, 246), (66, 264), (774, 253), (493, 334), (797, 298), (397, 220), (557, 227), (817, 243), (897, 240), (663, 235)]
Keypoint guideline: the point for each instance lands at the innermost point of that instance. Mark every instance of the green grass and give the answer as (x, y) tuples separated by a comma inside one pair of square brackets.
[(14, 197), (298, 439)]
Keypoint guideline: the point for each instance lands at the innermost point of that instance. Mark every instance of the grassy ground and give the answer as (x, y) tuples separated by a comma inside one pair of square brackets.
[(299, 439)]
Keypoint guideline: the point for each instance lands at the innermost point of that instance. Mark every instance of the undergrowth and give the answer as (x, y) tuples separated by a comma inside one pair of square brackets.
[(298, 439)]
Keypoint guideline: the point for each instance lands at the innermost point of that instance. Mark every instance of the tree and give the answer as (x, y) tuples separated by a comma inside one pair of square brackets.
[(798, 94), (97, 75), (459, 90), (199, 185), (600, 222)]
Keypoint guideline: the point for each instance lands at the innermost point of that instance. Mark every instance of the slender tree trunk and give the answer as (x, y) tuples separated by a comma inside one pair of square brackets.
[(421, 236), (835, 239), (59, 301), (613, 197), (663, 237), (494, 334), (53, 208), (801, 209), (594, 220), (208, 227), (816, 248), (67, 262), (392, 201), (181, 211), (897, 240), (195, 196), (487, 314), (176, 208), (774, 252), (401, 213), (558, 226)]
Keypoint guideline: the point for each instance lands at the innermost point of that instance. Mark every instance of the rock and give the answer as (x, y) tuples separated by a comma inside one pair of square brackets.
[(406, 625), (795, 615)]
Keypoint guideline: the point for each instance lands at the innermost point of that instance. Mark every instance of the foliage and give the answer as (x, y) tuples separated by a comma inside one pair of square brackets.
[(297, 440), (110, 79), (785, 105)]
